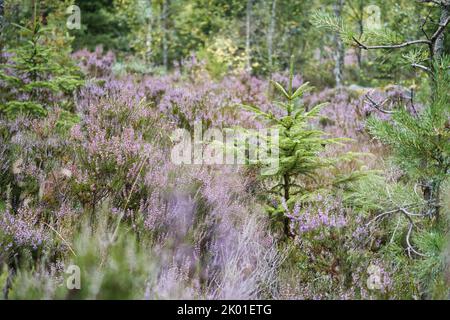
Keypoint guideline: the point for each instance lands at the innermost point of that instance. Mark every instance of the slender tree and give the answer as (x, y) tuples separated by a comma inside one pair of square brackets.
[(164, 29), (2, 14), (248, 27), (270, 34), (438, 46), (357, 15), (340, 50), (149, 35)]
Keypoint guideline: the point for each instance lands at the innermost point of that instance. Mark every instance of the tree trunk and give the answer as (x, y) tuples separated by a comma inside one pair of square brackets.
[(339, 56), (247, 36), (164, 17), (431, 188), (149, 36), (2, 19), (286, 220), (34, 11), (270, 36), (361, 31), (438, 48), (2, 13)]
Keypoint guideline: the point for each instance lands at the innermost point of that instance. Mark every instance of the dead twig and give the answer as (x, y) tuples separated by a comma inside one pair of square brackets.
[(378, 106)]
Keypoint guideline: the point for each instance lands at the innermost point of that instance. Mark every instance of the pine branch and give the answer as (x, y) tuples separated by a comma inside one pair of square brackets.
[(392, 46), (422, 67), (431, 1)]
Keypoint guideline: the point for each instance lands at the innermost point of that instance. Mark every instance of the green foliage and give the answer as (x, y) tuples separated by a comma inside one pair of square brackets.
[(105, 22), (300, 146), (430, 270), (37, 75), (420, 140), (331, 22), (375, 192)]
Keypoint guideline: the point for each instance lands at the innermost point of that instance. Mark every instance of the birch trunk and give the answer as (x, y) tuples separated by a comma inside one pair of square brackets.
[(2, 18), (361, 31), (270, 36), (149, 36), (438, 49), (339, 55), (247, 36), (165, 5)]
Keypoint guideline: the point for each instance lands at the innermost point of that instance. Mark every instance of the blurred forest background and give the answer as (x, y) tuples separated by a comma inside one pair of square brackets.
[(233, 36)]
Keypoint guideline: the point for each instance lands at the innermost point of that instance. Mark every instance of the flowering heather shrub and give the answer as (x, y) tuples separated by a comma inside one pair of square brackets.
[(198, 255), (38, 153), (223, 239), (22, 230), (334, 253), (182, 99), (111, 154), (347, 111), (308, 220), (120, 157), (95, 64), (4, 160), (215, 103)]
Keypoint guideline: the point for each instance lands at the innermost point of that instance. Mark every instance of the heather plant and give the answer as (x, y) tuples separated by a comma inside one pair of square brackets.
[(111, 152), (210, 101), (21, 230), (4, 159), (95, 64), (97, 259), (31, 177), (324, 270), (207, 250)]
